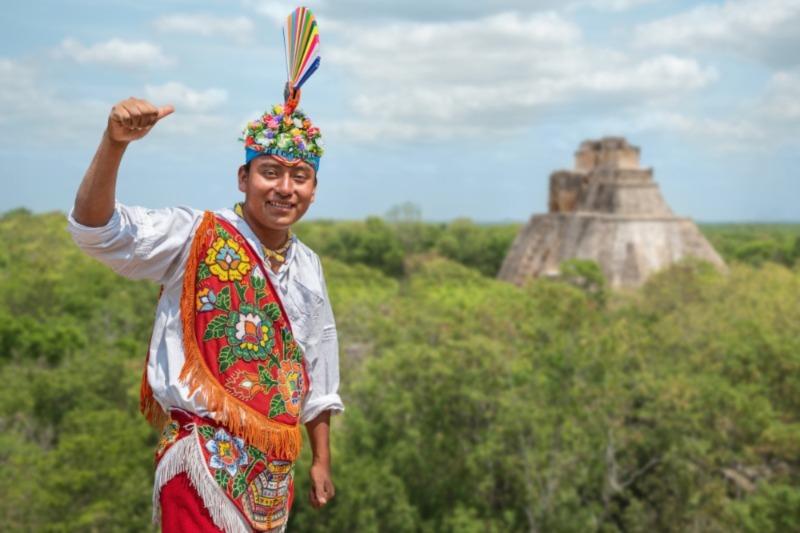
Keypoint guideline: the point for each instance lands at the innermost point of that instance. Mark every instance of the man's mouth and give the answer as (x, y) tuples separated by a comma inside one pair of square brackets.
[(280, 205)]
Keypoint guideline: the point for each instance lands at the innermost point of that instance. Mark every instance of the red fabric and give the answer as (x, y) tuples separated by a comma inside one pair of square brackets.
[(274, 345), (182, 510)]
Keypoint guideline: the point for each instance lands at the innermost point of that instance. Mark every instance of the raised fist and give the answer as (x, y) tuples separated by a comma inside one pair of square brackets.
[(133, 118)]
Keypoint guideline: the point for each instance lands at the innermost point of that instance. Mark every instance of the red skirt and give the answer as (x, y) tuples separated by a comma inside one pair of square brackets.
[(182, 510)]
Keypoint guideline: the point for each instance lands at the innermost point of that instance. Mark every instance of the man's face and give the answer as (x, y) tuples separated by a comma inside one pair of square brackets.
[(277, 192)]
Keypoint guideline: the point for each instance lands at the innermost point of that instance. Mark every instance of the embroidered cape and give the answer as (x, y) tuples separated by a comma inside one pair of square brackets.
[(241, 357)]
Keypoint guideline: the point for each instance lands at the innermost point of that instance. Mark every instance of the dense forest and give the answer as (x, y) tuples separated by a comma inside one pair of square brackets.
[(472, 405)]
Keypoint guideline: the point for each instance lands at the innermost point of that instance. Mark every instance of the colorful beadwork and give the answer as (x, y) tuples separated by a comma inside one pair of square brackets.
[(268, 495), (227, 261), (258, 485), (227, 453), (244, 359), (168, 436), (290, 385)]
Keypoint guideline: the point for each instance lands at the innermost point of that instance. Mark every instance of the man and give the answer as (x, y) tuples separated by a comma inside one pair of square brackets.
[(244, 344)]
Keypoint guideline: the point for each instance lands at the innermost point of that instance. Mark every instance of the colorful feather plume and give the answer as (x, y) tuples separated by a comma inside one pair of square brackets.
[(301, 42)]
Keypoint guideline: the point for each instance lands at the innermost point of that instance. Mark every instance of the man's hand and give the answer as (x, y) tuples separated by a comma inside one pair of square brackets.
[(133, 118), (322, 489), (128, 121)]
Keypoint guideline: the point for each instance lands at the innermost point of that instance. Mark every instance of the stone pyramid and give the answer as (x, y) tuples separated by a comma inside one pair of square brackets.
[(610, 210)]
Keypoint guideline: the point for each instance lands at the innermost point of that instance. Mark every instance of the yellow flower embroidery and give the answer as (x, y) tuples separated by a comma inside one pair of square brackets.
[(227, 260)]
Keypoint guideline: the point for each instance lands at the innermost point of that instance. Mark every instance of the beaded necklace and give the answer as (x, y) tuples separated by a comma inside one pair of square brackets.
[(278, 254)]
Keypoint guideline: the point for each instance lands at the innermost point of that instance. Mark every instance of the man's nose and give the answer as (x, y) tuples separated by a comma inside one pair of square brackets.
[(285, 185)]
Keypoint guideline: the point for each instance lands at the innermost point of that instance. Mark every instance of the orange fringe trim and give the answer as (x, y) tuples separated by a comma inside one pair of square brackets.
[(149, 407), (269, 436)]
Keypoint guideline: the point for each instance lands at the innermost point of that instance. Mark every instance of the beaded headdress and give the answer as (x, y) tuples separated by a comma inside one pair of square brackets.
[(284, 130)]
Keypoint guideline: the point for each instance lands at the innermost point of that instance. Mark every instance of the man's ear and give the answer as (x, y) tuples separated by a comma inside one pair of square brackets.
[(243, 175)]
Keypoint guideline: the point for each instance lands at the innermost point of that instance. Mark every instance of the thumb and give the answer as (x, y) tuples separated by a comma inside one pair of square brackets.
[(164, 111), (322, 497)]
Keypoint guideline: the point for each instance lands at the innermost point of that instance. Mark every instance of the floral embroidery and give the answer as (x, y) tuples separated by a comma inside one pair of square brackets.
[(244, 385), (259, 486), (227, 453), (290, 385), (227, 260), (168, 436), (250, 333), (206, 300), (244, 338)]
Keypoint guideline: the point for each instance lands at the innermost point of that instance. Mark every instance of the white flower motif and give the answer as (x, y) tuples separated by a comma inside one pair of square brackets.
[(248, 325), (284, 140)]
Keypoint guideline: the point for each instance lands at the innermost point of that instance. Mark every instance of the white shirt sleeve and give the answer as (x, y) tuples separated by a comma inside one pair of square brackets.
[(140, 243), (322, 359)]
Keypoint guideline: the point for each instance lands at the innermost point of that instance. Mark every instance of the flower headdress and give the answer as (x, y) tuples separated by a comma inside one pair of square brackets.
[(285, 131)]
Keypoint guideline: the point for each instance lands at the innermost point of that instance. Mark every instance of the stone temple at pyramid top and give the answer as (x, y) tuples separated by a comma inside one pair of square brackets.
[(613, 152)]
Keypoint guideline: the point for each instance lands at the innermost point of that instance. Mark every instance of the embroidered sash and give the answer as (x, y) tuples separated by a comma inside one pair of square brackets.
[(241, 357)]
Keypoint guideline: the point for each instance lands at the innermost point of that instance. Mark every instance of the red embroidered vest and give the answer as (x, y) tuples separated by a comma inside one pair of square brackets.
[(241, 357)]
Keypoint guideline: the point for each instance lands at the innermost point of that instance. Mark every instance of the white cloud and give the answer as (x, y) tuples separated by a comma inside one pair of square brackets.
[(278, 10), (29, 109), (609, 5), (116, 52), (765, 29), (497, 72), (185, 98), (240, 29), (195, 115), (18, 89), (770, 120), (197, 127), (781, 101), (658, 75), (725, 132), (428, 11)]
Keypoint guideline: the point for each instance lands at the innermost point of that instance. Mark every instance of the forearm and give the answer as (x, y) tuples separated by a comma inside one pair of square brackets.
[(319, 434), (94, 202), (322, 489), (129, 120)]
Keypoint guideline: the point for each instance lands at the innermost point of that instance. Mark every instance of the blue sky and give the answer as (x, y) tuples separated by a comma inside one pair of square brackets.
[(463, 108)]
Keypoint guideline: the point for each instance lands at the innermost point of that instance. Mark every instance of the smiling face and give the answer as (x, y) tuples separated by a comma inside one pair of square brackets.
[(277, 194)]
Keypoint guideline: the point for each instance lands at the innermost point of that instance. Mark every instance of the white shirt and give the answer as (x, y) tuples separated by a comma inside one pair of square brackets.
[(154, 244)]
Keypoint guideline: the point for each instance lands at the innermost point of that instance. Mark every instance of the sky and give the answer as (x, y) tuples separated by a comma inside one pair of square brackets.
[(462, 108)]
